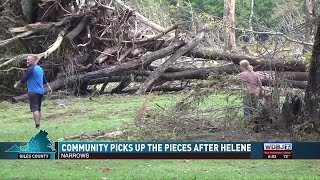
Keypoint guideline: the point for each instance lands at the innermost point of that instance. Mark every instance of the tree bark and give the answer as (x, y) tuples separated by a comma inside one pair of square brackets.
[(288, 75), (77, 30), (259, 63), (201, 73), (290, 112), (106, 53), (28, 7), (123, 84), (284, 83), (310, 8), (252, 39), (313, 89), (229, 20), (105, 83), (161, 88), (116, 79)]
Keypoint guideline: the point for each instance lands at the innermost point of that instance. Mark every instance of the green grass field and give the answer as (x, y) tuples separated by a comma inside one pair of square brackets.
[(72, 116)]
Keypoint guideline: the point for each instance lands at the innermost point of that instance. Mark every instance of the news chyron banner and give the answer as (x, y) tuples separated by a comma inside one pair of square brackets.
[(41, 147)]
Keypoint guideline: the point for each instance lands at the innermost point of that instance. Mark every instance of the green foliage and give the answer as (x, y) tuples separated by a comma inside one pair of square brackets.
[(267, 14), (209, 19), (261, 11), (214, 7), (182, 14), (156, 10), (308, 58)]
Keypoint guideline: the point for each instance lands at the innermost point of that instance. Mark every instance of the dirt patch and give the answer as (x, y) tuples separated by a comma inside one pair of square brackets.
[(106, 170), (58, 115), (68, 114)]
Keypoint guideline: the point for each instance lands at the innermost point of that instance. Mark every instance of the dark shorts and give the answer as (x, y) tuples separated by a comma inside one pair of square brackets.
[(35, 101)]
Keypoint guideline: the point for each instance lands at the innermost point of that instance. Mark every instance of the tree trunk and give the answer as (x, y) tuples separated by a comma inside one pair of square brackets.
[(250, 22), (313, 89), (310, 7), (77, 30), (173, 74), (229, 20), (123, 84), (28, 8), (259, 63), (290, 112), (105, 83)]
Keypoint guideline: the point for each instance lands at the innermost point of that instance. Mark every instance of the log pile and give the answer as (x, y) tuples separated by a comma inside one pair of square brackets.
[(101, 43)]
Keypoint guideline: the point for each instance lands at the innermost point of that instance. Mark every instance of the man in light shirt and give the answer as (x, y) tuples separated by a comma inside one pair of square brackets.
[(254, 88)]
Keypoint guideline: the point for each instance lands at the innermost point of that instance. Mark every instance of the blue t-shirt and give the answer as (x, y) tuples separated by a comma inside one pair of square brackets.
[(35, 79)]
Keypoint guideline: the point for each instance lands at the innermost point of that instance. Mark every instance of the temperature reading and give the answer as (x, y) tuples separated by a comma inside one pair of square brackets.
[(286, 156)]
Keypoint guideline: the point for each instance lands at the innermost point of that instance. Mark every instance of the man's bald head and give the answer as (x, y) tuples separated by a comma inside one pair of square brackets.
[(31, 60)]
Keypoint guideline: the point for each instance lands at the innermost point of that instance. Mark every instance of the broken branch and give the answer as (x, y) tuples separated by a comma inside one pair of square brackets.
[(157, 73), (141, 17), (7, 41), (50, 50)]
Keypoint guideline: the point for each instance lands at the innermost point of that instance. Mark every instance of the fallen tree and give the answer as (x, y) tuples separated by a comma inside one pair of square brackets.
[(259, 63), (140, 76)]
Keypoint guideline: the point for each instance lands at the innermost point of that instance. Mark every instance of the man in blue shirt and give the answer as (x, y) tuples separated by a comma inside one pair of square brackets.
[(35, 79)]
